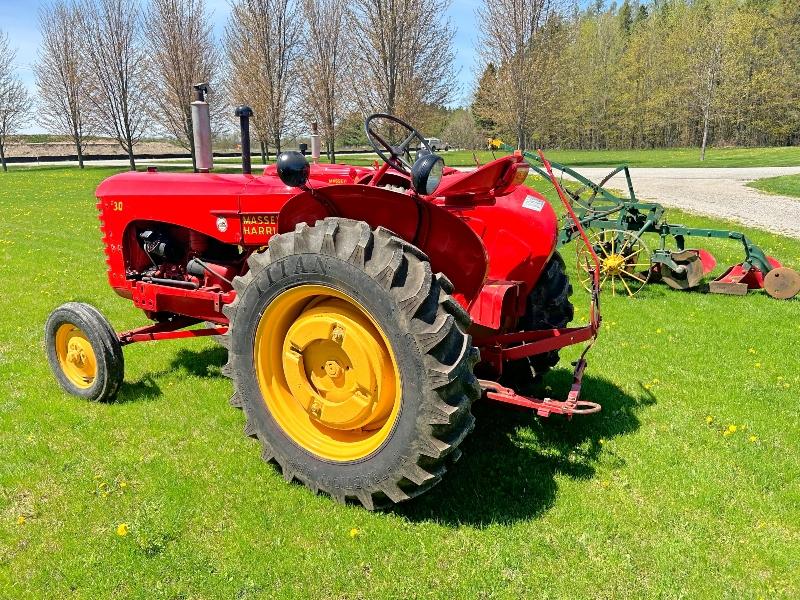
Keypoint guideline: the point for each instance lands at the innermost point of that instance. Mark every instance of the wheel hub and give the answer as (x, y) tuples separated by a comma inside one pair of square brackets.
[(76, 352), (76, 356), (327, 372), (335, 366), (613, 264)]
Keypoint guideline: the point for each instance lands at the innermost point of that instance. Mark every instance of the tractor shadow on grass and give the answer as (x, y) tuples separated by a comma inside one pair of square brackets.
[(510, 462), (198, 363)]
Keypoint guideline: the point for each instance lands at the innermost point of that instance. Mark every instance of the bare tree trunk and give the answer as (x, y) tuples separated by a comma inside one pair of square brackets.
[(404, 56), (78, 141), (705, 132), (510, 31), (14, 98), (117, 69), (61, 76), (131, 158), (263, 153), (263, 42), (182, 53), (325, 66)]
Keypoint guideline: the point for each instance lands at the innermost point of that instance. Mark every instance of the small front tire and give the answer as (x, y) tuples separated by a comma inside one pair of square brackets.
[(84, 352)]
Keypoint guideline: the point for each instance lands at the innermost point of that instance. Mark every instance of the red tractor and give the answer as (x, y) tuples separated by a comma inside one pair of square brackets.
[(357, 304)]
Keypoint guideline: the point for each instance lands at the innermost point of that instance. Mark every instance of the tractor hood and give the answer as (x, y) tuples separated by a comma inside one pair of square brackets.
[(172, 185)]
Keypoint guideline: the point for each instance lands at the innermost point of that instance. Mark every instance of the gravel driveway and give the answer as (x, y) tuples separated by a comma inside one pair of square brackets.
[(717, 192)]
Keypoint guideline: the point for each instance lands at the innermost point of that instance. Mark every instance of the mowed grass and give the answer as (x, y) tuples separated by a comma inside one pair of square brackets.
[(785, 185), (645, 499), (661, 157)]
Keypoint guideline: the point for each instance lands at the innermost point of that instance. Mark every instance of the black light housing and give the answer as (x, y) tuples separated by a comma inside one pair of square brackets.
[(293, 168), (426, 174)]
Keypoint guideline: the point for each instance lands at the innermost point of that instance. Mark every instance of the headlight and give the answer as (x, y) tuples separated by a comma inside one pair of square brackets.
[(426, 174)]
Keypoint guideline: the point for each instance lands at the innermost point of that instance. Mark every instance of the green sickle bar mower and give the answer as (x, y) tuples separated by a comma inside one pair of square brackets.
[(617, 226)]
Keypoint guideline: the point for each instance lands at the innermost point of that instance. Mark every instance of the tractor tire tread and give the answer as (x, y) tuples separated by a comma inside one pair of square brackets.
[(430, 319), (104, 341), (549, 307)]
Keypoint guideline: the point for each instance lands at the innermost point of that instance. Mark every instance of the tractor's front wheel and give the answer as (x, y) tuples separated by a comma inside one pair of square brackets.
[(350, 361), (84, 352)]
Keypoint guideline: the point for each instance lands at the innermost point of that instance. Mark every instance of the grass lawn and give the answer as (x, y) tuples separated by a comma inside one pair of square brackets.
[(645, 499), (785, 185), (666, 157)]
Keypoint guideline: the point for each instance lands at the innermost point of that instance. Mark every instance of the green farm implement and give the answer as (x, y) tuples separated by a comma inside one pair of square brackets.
[(617, 226)]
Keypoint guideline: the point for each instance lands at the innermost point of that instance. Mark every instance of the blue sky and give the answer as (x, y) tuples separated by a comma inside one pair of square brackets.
[(19, 21)]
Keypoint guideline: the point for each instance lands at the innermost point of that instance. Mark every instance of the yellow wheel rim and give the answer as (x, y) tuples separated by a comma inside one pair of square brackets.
[(76, 356), (625, 261), (327, 373)]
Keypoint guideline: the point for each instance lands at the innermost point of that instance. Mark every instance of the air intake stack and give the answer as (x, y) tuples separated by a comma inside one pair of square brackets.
[(244, 113)]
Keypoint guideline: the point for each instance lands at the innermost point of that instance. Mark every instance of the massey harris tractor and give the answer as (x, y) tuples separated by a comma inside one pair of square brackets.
[(359, 306)]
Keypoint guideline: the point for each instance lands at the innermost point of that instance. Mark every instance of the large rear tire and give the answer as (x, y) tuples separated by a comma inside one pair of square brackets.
[(548, 307), (327, 307)]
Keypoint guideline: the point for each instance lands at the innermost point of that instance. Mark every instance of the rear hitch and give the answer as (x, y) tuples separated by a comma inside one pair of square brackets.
[(573, 405), (515, 346)]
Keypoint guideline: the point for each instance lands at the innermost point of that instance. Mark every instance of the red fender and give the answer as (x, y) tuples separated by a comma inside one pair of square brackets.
[(432, 229)]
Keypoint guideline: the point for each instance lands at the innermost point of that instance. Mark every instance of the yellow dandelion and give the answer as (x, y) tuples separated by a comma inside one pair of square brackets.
[(647, 386), (658, 330), (602, 441), (732, 428), (122, 529), (753, 438), (709, 419), (751, 350), (21, 520), (726, 433), (123, 484), (758, 365), (354, 532)]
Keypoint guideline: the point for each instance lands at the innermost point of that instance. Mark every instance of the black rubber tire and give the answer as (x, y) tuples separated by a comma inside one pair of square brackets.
[(425, 327), (104, 342), (548, 307)]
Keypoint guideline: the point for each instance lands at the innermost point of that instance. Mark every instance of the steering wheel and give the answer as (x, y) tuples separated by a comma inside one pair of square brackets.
[(398, 157)]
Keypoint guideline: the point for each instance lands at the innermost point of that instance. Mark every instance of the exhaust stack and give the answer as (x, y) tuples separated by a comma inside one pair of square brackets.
[(244, 113), (201, 129), (315, 142)]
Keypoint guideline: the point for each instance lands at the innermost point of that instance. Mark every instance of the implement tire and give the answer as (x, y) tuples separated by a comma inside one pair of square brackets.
[(334, 300)]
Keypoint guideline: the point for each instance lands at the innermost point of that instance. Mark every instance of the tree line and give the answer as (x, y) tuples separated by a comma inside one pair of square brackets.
[(662, 73), (640, 74), (123, 68)]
